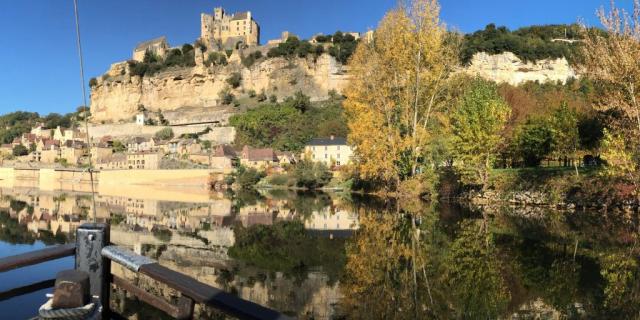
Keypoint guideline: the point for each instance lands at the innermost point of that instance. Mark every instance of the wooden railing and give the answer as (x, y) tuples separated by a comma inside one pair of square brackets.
[(94, 255)]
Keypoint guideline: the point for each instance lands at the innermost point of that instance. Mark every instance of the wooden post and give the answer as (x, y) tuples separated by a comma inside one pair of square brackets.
[(90, 239)]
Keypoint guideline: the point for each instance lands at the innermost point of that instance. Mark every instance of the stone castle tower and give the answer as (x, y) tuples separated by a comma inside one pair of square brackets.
[(222, 31)]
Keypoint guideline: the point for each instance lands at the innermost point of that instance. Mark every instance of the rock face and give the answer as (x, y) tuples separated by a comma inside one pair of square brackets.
[(118, 96), (508, 68)]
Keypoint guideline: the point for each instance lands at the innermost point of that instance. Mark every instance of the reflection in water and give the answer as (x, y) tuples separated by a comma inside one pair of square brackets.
[(332, 256)]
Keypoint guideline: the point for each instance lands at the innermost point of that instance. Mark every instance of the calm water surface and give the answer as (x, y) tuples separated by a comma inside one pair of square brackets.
[(329, 256)]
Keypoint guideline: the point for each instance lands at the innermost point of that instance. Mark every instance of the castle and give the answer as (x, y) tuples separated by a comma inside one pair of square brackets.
[(221, 30)]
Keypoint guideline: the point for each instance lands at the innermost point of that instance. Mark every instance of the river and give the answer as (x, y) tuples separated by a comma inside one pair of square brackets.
[(335, 256)]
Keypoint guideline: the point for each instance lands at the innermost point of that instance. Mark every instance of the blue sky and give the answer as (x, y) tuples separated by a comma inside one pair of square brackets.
[(38, 60)]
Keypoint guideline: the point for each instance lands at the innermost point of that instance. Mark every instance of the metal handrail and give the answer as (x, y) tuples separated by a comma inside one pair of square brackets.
[(189, 287), (36, 257), (29, 259)]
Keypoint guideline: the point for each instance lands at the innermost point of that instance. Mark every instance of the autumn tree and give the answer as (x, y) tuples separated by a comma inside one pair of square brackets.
[(477, 123), (612, 58), (398, 92), (566, 138)]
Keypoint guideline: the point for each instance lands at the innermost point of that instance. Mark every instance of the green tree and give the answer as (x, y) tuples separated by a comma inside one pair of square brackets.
[(299, 101), (118, 146), (565, 134), (477, 123), (235, 80), (311, 175), (164, 134), (534, 141), (247, 178), (20, 150)]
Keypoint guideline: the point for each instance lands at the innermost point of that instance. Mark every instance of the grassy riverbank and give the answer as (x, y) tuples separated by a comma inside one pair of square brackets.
[(590, 187)]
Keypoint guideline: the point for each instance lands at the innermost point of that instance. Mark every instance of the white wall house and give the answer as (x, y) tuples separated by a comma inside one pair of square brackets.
[(330, 151)]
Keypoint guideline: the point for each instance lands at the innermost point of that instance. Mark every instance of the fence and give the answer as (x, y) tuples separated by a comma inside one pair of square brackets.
[(94, 255)]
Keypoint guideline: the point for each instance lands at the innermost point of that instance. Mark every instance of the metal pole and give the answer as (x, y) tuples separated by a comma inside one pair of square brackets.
[(90, 239)]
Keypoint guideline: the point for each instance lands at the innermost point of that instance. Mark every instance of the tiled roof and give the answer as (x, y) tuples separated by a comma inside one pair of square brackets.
[(332, 141), (224, 151), (265, 154), (240, 16), (144, 45)]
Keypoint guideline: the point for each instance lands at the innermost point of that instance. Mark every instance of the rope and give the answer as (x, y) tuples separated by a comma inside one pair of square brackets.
[(84, 99), (84, 312)]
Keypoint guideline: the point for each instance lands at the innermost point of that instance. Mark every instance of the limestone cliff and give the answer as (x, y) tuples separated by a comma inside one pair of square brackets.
[(188, 95), (508, 68), (117, 96)]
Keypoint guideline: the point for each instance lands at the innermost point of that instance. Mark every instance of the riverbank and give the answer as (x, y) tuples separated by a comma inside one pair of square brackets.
[(558, 188)]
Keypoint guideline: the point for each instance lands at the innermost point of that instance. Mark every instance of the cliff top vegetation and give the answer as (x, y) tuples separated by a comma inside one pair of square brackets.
[(528, 43)]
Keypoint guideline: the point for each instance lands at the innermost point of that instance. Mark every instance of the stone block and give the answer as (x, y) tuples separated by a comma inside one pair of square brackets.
[(71, 289)]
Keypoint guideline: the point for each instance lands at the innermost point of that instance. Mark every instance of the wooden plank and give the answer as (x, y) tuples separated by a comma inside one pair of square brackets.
[(210, 296), (184, 311), (35, 257), (6, 295)]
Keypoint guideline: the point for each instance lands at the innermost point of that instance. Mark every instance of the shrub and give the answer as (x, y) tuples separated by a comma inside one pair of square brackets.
[(20, 150), (234, 80), (322, 38), (150, 57), (262, 96), (273, 98), (249, 60), (164, 134), (229, 53), (252, 93), (93, 82), (278, 180), (226, 97), (311, 175), (247, 178), (216, 59), (299, 101), (201, 45), (186, 48)]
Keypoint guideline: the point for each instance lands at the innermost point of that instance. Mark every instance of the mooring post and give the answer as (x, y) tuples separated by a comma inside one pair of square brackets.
[(90, 239)]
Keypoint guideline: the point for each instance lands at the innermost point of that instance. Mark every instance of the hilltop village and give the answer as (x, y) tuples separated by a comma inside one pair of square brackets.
[(202, 105)]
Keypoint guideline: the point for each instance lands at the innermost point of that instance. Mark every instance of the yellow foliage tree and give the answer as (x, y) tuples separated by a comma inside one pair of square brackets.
[(612, 58), (398, 92)]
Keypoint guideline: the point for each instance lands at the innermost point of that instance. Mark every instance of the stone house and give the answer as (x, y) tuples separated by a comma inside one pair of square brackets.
[(27, 139), (285, 157), (228, 31), (72, 151), (143, 160), (141, 144), (117, 161), (158, 46), (260, 159), (223, 158), (48, 150), (330, 151), (101, 151), (184, 146), (41, 132), (50, 155), (6, 149), (64, 134)]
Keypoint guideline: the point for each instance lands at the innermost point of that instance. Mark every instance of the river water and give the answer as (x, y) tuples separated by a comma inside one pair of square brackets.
[(333, 256)]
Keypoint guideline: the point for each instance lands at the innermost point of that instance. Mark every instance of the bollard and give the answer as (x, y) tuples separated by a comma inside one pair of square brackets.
[(90, 239), (71, 290)]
